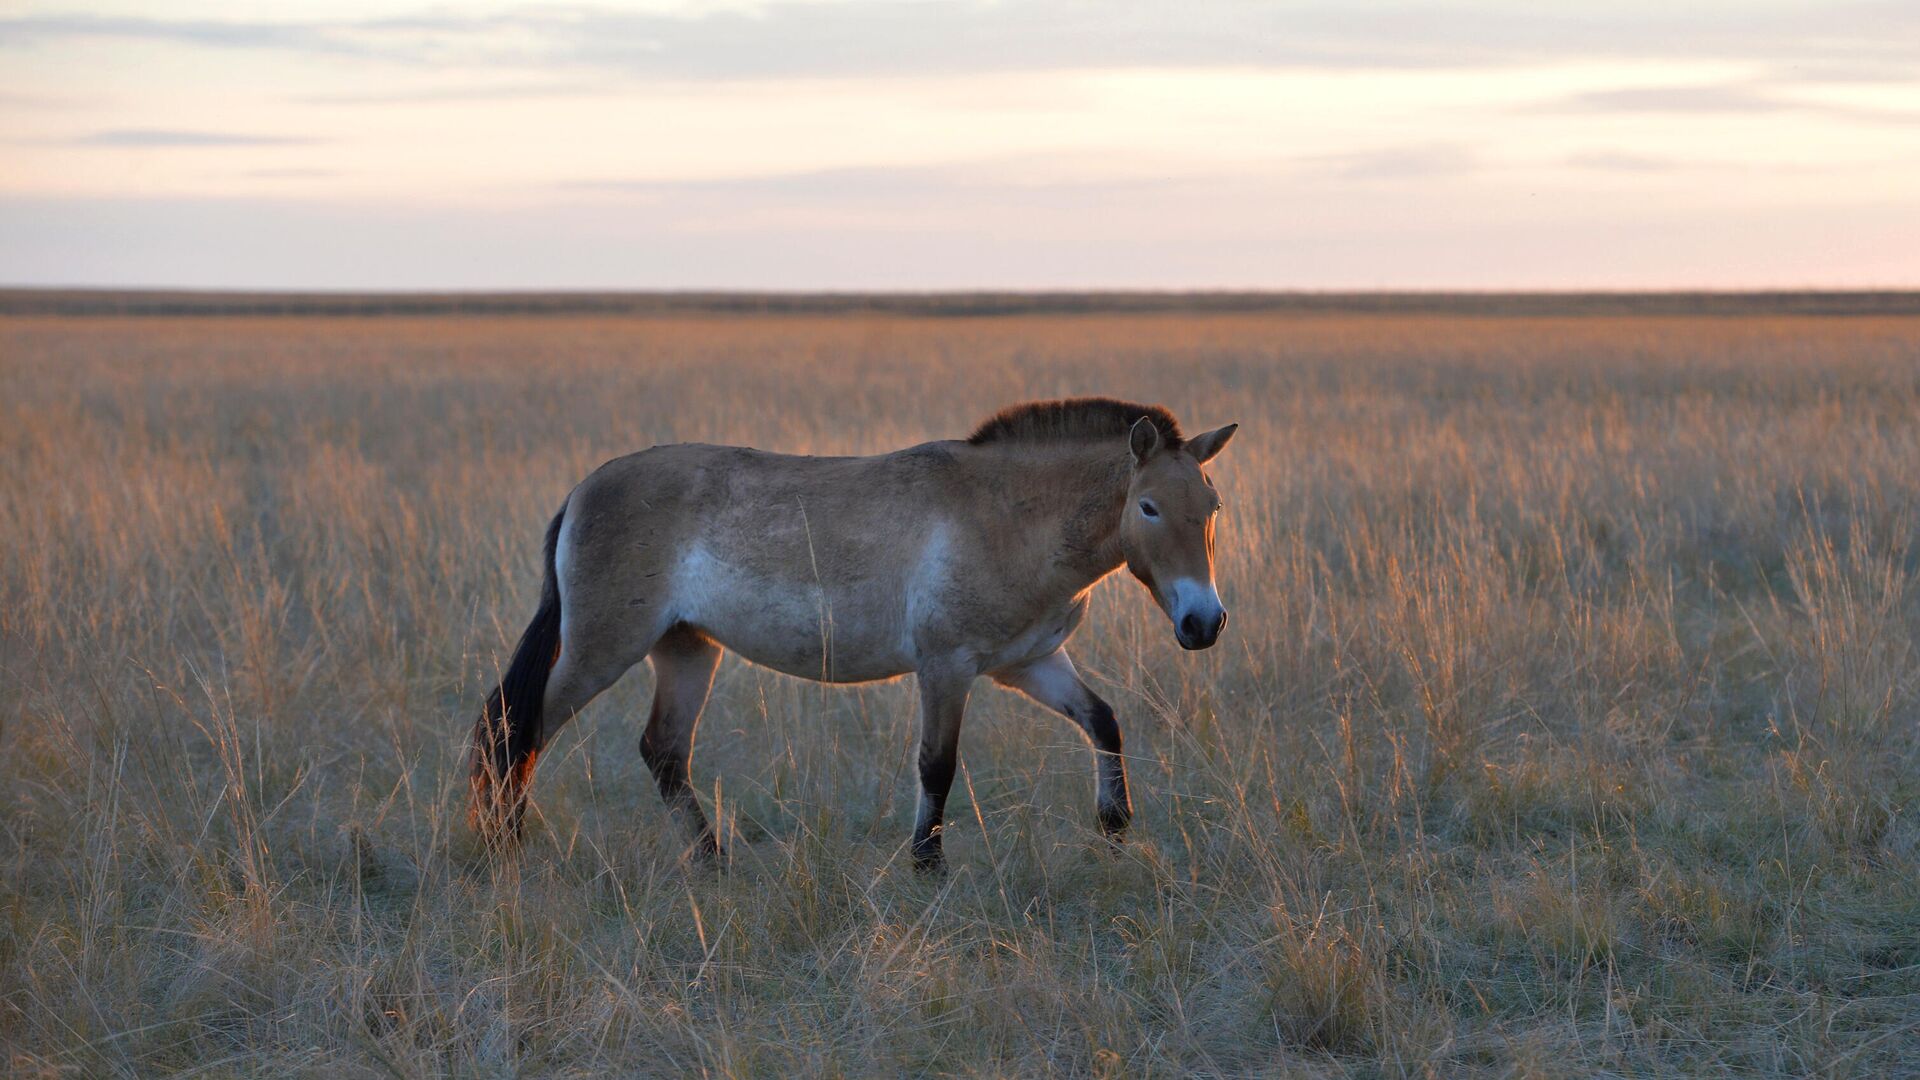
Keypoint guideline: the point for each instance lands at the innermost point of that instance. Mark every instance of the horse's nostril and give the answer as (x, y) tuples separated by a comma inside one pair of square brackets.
[(1189, 627)]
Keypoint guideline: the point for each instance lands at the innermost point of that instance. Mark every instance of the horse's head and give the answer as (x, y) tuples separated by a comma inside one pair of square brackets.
[(1166, 528)]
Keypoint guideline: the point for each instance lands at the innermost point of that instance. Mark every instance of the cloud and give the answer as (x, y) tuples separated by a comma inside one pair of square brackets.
[(162, 137), (1861, 71), (1214, 235), (1722, 98), (1424, 161), (1061, 185), (298, 37), (835, 184), (1621, 162), (797, 38), (11, 100), (1034, 178), (1055, 180), (1726, 99), (432, 95)]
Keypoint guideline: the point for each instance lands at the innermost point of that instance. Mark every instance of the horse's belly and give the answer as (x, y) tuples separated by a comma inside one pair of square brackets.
[(828, 660), (795, 628), (1043, 638), (1013, 656)]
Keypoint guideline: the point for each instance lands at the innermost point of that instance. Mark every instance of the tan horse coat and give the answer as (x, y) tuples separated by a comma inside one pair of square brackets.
[(948, 561)]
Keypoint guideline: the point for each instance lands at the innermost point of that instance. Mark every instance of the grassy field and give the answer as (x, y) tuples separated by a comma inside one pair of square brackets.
[(1566, 723)]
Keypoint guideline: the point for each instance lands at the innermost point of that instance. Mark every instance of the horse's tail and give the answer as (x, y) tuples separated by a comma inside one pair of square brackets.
[(506, 740)]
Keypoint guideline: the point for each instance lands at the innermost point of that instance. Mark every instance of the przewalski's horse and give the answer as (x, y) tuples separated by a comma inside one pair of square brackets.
[(947, 561)]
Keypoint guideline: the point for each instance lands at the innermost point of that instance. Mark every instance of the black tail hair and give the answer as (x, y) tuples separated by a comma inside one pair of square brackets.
[(507, 738)]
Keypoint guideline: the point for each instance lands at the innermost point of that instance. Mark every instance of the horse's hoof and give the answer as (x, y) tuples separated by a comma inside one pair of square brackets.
[(930, 862), (709, 853)]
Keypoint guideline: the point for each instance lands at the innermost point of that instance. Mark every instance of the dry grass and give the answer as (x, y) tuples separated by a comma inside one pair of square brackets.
[(1566, 723)]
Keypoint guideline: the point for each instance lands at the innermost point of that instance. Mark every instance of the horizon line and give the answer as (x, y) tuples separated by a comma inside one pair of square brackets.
[(85, 301)]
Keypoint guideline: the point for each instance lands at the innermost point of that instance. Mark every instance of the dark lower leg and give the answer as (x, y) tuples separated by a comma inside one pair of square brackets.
[(943, 701), (936, 779), (683, 664), (1114, 806), (669, 766)]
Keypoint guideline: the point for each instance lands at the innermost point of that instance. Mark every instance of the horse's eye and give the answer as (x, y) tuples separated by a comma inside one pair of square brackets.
[(1147, 509)]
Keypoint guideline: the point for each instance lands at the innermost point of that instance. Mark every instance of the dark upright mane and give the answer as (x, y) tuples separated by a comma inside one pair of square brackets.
[(1074, 418)]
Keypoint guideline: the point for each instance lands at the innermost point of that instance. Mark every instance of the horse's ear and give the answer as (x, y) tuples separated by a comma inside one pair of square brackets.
[(1208, 443), (1143, 440)]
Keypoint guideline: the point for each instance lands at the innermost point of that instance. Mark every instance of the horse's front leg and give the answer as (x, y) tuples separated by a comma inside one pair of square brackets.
[(1053, 682), (943, 702)]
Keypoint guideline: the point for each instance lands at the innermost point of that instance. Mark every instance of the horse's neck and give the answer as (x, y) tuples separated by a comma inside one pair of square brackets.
[(1088, 492)]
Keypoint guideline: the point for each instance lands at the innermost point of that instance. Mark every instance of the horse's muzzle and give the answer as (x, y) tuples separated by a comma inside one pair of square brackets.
[(1198, 631)]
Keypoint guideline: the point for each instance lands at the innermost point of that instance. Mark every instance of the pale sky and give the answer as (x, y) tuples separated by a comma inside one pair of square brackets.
[(935, 144)]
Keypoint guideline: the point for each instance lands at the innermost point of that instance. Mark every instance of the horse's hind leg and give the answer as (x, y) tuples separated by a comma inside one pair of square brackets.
[(591, 660), (684, 660)]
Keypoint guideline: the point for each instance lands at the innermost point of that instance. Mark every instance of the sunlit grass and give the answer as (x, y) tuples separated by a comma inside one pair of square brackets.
[(1566, 721)]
